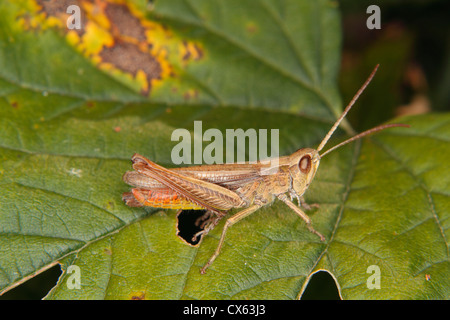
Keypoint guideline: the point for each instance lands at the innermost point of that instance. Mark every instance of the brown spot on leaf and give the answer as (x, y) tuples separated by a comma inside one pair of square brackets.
[(190, 94), (187, 54), (58, 8), (191, 51), (55, 8), (125, 23), (119, 39), (138, 296), (251, 27), (199, 52), (129, 58), (110, 204), (90, 104)]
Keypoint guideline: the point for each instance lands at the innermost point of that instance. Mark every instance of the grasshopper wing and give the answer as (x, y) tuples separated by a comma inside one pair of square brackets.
[(206, 194), (165, 198)]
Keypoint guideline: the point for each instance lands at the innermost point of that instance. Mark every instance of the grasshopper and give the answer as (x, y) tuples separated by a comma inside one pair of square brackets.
[(219, 188)]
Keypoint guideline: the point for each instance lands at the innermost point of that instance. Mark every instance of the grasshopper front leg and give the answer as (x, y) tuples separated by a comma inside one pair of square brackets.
[(302, 215), (301, 202), (237, 217)]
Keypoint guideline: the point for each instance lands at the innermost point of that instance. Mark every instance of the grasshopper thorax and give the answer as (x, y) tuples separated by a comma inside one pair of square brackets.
[(303, 165)]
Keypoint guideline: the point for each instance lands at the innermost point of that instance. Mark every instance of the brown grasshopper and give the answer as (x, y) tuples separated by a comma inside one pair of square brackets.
[(219, 188)]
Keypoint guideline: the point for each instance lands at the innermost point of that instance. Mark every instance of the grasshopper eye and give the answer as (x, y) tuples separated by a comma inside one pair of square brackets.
[(305, 164)]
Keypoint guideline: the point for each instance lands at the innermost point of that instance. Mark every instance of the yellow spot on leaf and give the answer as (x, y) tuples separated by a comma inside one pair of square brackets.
[(95, 39), (119, 39)]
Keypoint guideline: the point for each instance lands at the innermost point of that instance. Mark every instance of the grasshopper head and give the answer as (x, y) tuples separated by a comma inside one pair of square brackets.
[(303, 165), (304, 162)]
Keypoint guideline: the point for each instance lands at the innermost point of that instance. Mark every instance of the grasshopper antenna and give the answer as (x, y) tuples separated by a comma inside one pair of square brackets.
[(347, 109), (365, 133)]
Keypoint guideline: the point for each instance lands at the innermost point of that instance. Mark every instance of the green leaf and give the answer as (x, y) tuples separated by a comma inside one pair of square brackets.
[(70, 123)]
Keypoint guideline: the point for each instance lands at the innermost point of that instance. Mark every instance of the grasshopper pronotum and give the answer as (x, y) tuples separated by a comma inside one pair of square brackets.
[(219, 188)]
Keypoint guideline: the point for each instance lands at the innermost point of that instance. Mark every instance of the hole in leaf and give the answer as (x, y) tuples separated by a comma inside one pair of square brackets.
[(321, 286), (187, 227), (35, 288)]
